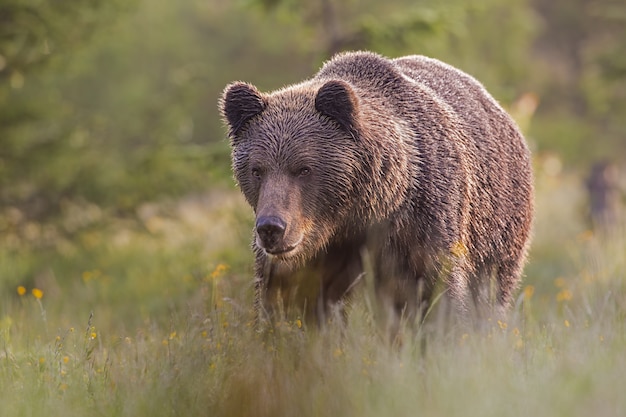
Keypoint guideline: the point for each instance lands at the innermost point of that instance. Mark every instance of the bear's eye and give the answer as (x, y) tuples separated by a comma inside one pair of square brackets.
[(256, 173), (303, 172)]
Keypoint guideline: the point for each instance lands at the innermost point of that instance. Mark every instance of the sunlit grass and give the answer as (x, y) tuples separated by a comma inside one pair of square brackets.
[(155, 319)]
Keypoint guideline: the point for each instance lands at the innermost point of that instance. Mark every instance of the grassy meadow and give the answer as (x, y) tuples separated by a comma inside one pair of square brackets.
[(151, 316)]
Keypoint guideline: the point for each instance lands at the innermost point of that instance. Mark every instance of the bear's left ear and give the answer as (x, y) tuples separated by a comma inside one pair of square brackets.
[(337, 100), (240, 102)]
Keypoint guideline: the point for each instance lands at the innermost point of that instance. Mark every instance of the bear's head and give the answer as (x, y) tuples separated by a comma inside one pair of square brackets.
[(296, 158)]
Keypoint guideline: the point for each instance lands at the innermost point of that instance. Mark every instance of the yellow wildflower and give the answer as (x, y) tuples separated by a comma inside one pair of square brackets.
[(529, 290), (564, 295), (37, 293), (21, 290), (219, 271)]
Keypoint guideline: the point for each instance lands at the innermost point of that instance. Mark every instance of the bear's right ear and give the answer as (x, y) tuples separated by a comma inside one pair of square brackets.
[(240, 102), (337, 100)]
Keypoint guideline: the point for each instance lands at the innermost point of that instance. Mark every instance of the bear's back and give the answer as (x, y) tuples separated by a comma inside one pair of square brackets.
[(480, 112), (367, 71)]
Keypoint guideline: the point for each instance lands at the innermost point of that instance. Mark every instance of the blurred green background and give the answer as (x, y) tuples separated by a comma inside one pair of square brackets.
[(112, 152)]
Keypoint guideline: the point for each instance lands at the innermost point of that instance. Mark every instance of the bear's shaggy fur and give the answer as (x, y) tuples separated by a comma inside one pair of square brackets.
[(405, 167)]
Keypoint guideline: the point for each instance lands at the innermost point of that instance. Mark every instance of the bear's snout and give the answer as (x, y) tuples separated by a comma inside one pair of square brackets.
[(270, 231)]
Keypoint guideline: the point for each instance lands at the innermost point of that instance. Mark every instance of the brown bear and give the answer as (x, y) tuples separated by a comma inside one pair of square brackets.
[(405, 168)]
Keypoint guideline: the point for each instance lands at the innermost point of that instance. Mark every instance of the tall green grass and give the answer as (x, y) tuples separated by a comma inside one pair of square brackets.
[(154, 317)]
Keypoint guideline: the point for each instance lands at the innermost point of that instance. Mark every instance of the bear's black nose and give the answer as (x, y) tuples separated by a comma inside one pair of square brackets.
[(270, 230)]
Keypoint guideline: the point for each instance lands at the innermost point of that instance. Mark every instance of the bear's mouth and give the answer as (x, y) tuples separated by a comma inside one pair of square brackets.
[(283, 251)]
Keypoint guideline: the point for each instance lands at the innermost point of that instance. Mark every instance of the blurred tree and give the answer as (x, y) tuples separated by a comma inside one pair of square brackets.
[(33, 34), (128, 113), (581, 51), (32, 31), (459, 32)]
